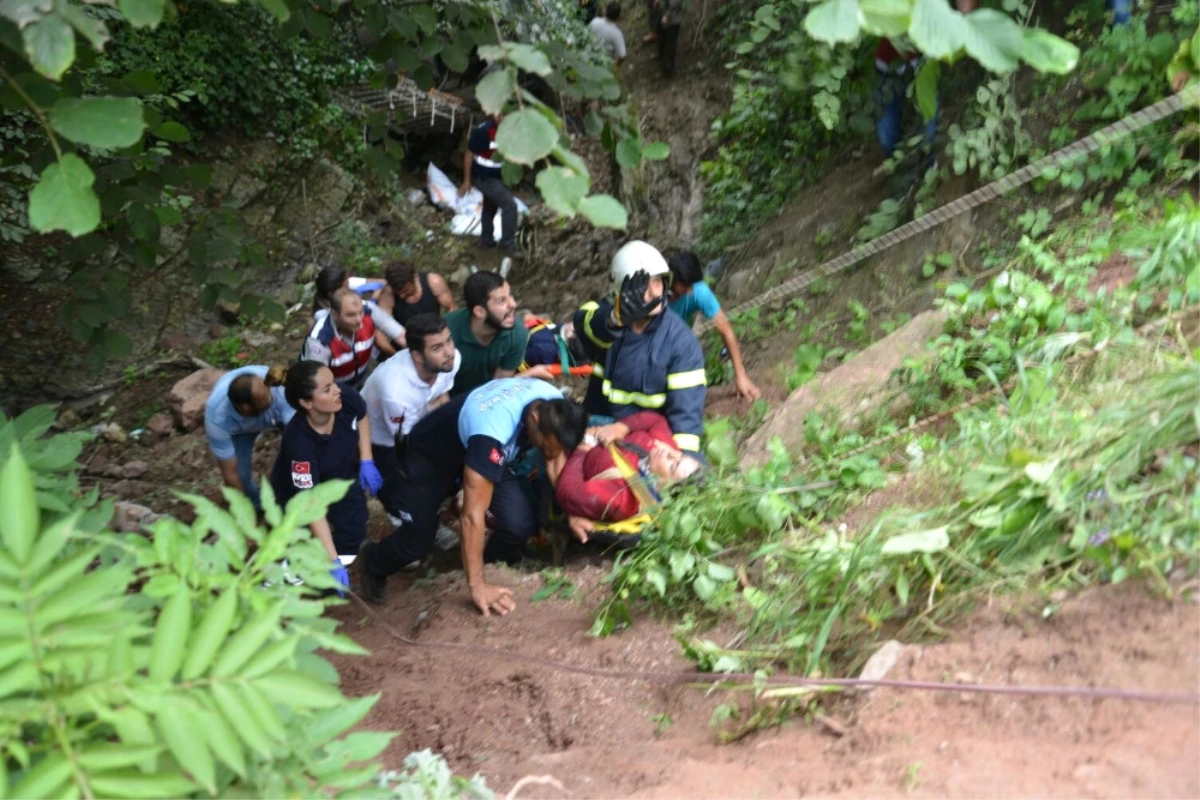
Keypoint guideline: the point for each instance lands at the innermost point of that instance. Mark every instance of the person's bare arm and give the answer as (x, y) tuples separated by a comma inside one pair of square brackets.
[(466, 184), (745, 386), (229, 473), (441, 290), (364, 439), (477, 496), (322, 531), (501, 372), (384, 343)]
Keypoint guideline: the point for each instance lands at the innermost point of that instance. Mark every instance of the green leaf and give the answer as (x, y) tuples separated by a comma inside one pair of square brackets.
[(1046, 52), (656, 151), (604, 211), (23, 12), (933, 540), (833, 21), (210, 634), (179, 724), (224, 742), (704, 587), (511, 173), (495, 90), (63, 199), (335, 721), (773, 511), (107, 122), (106, 756), (937, 30), (167, 648), (902, 588), (47, 778), (85, 24), (629, 152), (530, 59), (657, 580), (526, 137), (144, 223), (229, 704), (247, 641), (720, 572), (142, 13), (562, 189), (172, 132), (20, 517), (884, 17), (994, 40), (262, 710), (1040, 471), (135, 785), (278, 8), (298, 690), (50, 45)]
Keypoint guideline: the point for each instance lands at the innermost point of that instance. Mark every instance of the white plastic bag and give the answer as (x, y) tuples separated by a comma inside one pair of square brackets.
[(468, 211)]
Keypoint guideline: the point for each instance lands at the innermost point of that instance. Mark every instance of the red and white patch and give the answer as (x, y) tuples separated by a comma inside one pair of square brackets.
[(496, 456), (398, 420), (302, 474)]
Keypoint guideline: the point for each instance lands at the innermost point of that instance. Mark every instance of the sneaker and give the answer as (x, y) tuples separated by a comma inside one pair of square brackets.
[(372, 587), (650, 37), (446, 538)]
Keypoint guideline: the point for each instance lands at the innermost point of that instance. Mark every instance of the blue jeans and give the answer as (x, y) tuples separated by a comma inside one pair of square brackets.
[(243, 451), (891, 99), (1121, 9)]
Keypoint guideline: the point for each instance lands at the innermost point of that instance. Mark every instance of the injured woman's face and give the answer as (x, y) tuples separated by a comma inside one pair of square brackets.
[(670, 465)]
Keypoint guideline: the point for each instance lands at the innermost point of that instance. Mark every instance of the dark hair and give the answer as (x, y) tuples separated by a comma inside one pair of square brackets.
[(399, 274), (613, 12), (565, 420), (686, 268), (338, 301), (329, 280), (479, 287), (420, 326), (241, 392), (301, 382)]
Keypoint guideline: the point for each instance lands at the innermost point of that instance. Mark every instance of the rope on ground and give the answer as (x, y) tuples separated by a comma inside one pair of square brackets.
[(1059, 158), (710, 678)]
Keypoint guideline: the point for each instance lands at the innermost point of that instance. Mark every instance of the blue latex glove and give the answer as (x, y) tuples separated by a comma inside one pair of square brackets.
[(369, 477), (341, 575)]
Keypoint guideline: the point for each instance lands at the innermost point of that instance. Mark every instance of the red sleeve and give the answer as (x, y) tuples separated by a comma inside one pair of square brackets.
[(608, 499), (650, 421)]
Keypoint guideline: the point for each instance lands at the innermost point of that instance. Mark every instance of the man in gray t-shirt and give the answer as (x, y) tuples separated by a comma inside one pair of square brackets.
[(605, 29)]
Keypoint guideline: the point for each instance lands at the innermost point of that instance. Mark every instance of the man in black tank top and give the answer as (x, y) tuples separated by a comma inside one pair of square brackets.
[(410, 292)]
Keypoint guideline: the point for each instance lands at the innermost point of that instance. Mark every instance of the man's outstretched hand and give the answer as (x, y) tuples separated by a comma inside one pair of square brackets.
[(581, 527), (493, 599)]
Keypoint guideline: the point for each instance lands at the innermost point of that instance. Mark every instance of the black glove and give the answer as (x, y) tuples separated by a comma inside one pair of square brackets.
[(631, 300)]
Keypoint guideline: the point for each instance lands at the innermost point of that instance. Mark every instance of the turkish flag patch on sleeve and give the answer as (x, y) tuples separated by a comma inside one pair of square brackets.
[(302, 474), (496, 456)]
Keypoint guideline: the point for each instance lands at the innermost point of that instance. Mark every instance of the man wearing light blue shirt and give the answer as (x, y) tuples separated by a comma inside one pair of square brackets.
[(243, 404)]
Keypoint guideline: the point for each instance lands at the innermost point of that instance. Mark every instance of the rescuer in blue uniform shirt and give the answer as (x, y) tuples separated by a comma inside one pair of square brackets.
[(329, 439), (478, 437)]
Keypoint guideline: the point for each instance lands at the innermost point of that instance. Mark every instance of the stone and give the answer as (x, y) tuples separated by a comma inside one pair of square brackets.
[(99, 463), (67, 420), (130, 517), (110, 432), (257, 339), (229, 311), (881, 662), (216, 331), (134, 469), (189, 396), (460, 275), (851, 391), (161, 424), (176, 341)]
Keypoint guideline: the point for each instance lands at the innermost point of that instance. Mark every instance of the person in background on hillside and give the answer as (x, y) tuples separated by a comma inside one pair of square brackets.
[(329, 440), (477, 437), (592, 489), (653, 361), (409, 292), (691, 294), (486, 332), (389, 334), (589, 10), (243, 404), (404, 389), (666, 20), (897, 67), (481, 168), (605, 29), (343, 339)]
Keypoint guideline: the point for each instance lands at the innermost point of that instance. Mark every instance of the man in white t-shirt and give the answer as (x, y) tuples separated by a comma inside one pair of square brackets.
[(404, 389), (605, 29)]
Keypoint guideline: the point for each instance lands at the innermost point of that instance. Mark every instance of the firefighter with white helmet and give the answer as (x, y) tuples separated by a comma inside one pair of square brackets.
[(644, 358)]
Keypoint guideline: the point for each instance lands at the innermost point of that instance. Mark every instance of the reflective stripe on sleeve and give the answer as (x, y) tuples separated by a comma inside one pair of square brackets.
[(688, 441), (686, 380), (633, 398)]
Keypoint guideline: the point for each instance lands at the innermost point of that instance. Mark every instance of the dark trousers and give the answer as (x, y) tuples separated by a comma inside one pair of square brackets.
[(497, 196), (668, 44), (653, 16), (385, 461), (423, 486)]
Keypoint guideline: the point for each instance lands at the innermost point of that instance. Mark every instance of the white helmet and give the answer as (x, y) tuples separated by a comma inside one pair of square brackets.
[(634, 257)]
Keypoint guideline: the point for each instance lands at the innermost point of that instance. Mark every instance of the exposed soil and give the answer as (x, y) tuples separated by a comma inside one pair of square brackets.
[(507, 718)]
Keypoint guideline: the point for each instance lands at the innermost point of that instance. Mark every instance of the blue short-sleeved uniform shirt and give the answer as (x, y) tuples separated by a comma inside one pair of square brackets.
[(491, 423), (307, 458), (222, 421), (700, 298)]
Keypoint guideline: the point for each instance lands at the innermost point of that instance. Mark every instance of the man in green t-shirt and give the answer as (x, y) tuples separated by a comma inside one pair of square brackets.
[(486, 332)]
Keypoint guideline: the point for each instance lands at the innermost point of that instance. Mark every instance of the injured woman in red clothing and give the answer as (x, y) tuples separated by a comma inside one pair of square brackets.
[(591, 487)]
